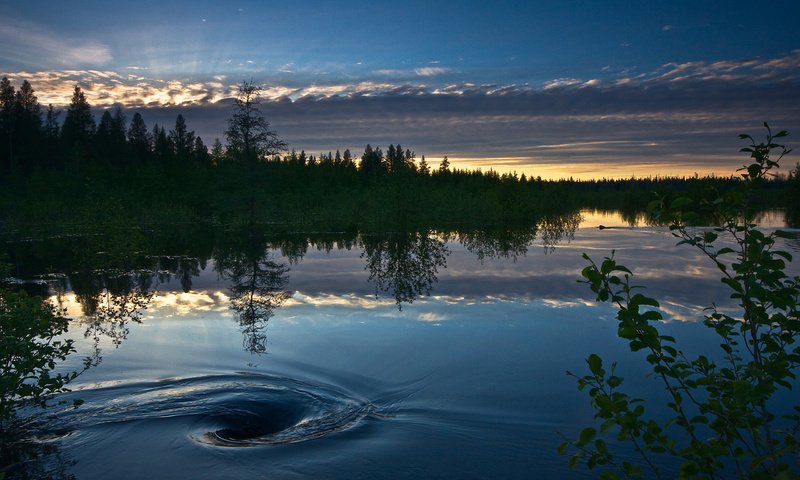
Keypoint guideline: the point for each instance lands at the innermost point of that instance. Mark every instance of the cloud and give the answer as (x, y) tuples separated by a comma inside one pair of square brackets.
[(430, 71), (105, 88), (680, 118), (27, 44)]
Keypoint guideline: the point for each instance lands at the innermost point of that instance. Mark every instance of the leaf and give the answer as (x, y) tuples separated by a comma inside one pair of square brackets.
[(562, 448), (586, 435), (681, 203), (595, 364), (608, 475)]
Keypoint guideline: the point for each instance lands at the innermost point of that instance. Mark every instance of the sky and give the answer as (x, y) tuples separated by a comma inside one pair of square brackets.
[(555, 89)]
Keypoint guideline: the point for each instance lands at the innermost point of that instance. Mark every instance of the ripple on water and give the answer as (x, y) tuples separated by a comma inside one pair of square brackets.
[(238, 410)]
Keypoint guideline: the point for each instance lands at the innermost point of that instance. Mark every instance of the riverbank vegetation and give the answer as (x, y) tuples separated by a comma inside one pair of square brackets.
[(726, 412)]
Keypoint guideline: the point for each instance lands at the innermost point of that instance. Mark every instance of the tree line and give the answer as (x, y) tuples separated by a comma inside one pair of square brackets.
[(78, 168)]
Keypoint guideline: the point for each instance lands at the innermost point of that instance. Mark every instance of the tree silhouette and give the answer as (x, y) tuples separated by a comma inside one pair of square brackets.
[(138, 139), (249, 136), (78, 128), (182, 141), (7, 95), (258, 286)]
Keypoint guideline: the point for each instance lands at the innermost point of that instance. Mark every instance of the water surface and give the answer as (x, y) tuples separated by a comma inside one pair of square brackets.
[(351, 355)]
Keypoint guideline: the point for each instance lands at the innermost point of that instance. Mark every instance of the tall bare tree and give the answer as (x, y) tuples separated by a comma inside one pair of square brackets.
[(249, 136)]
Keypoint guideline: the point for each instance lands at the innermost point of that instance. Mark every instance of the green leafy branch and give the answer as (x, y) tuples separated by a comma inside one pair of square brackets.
[(722, 405)]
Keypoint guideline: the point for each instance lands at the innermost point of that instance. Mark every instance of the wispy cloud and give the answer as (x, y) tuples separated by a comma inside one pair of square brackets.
[(430, 71), (27, 44)]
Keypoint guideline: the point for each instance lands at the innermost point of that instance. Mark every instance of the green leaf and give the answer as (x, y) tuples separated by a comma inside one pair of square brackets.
[(681, 203), (586, 436), (595, 364), (608, 475)]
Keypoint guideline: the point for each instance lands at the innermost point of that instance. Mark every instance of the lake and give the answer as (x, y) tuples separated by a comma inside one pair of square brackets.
[(260, 353)]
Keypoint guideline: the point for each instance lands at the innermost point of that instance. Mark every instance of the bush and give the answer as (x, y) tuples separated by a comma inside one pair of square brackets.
[(30, 347), (724, 417)]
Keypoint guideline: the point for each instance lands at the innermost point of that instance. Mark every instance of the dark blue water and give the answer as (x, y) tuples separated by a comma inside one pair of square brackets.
[(468, 382)]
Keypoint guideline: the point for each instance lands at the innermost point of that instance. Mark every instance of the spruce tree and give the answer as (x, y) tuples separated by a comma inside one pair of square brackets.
[(182, 141), (138, 139), (79, 127), (7, 95)]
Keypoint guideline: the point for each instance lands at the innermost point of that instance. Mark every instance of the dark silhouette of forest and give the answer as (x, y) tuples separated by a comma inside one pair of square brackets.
[(66, 167)]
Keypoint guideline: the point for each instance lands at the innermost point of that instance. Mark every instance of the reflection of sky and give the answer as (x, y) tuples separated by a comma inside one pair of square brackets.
[(680, 277)]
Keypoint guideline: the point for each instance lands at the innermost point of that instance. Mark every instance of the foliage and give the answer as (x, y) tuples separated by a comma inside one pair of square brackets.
[(726, 416), (30, 347)]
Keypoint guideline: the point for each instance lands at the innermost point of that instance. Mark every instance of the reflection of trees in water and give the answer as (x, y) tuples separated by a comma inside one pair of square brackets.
[(258, 287), (513, 243), (497, 244), (404, 263), (110, 303), (553, 229)]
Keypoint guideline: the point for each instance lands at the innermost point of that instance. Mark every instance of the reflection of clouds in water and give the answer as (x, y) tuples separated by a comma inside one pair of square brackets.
[(180, 303), (555, 303), (333, 307), (432, 317), (330, 299), (162, 304)]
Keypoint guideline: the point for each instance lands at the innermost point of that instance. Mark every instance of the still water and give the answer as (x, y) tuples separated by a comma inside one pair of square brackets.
[(400, 355)]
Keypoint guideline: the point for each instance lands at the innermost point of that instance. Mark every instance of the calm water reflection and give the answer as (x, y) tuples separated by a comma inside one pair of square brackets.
[(247, 353)]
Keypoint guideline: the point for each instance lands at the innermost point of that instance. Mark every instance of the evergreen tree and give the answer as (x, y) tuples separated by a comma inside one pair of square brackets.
[(7, 95), (162, 147), (200, 152), (79, 127), (371, 161), (110, 137), (423, 166), (102, 138), (118, 129), (444, 167), (27, 119), (249, 136), (51, 132), (182, 141), (217, 152), (52, 129), (138, 139)]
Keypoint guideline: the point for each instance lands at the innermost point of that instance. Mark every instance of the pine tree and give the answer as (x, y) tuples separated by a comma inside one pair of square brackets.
[(444, 167), (52, 131), (217, 152), (182, 141), (7, 95), (138, 139), (200, 152), (79, 127), (249, 136), (162, 147), (27, 119), (423, 166), (51, 127)]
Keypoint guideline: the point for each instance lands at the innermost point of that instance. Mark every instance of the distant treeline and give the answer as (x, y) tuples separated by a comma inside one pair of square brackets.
[(79, 170)]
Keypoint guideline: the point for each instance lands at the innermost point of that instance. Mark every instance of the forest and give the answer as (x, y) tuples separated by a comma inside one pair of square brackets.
[(77, 170)]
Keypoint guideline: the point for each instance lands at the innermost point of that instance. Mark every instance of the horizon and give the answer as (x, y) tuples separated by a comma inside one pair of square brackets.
[(555, 91)]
